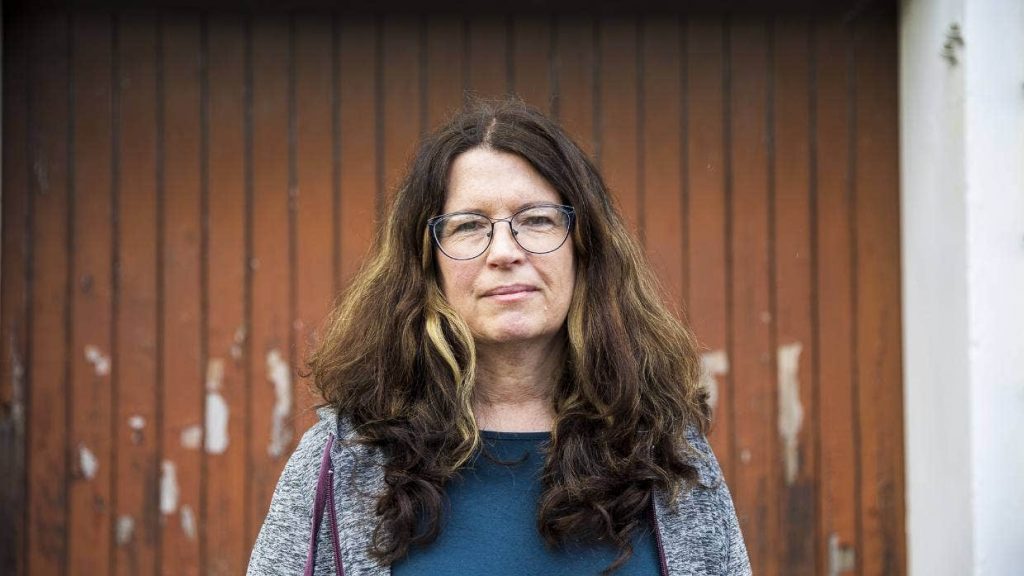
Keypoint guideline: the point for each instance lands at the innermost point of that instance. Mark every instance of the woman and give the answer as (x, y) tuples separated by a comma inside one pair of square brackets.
[(504, 390)]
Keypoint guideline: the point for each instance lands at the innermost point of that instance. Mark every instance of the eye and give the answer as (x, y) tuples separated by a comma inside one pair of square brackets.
[(539, 219), (463, 225)]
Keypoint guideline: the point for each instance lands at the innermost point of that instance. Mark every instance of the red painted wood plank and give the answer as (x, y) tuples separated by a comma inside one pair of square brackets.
[(836, 434), (271, 389), (755, 478), (313, 200), (878, 324), (794, 336), (706, 233), (48, 354), (531, 60), (14, 297), (445, 60), (488, 69), (619, 153), (182, 391), (401, 100), (89, 542), (576, 49), (359, 111), (135, 357), (224, 533), (662, 218)]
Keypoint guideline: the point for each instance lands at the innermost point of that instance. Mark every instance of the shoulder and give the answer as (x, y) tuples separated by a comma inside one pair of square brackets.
[(280, 546), (700, 530)]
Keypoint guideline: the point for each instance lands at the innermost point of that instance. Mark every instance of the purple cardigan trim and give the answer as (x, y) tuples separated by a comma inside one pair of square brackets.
[(323, 490)]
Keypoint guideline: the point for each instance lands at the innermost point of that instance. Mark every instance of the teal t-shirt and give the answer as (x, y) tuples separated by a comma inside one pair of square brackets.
[(492, 527)]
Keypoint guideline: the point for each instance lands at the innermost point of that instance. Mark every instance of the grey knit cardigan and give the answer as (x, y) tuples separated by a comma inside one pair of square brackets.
[(698, 534)]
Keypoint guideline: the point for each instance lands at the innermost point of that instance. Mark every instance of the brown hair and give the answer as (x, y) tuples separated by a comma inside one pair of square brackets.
[(398, 360)]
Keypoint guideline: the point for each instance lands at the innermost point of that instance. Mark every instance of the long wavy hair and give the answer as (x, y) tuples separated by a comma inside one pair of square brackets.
[(398, 361)]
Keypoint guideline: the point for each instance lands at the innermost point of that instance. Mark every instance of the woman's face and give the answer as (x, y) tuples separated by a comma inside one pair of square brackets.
[(506, 294)]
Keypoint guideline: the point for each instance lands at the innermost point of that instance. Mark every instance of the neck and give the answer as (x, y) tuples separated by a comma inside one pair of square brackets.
[(514, 385)]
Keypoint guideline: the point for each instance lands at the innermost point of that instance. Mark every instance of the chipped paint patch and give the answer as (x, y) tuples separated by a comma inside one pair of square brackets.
[(281, 377), (188, 522), (169, 490), (125, 530), (216, 409), (192, 437), (715, 364), (791, 411), (100, 363), (745, 456), (238, 345), (840, 558), (87, 462), (136, 423)]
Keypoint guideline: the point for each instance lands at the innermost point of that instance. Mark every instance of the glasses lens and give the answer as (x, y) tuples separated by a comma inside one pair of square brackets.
[(541, 229), (463, 236)]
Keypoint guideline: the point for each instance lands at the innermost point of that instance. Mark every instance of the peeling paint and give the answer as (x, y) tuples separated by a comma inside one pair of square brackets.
[(791, 411), (192, 437), (188, 522), (715, 364), (87, 462), (840, 558), (169, 490), (216, 409), (280, 376), (136, 423), (125, 530), (238, 345), (100, 363)]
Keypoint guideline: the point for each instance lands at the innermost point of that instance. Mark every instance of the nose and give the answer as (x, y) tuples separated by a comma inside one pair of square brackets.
[(503, 249)]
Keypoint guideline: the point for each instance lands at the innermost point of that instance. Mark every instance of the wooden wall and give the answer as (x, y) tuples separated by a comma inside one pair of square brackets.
[(183, 193)]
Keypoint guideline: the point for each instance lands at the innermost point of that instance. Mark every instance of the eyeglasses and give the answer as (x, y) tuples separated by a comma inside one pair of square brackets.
[(537, 229)]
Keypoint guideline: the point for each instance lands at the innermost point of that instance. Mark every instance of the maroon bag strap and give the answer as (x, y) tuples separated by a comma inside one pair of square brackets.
[(319, 504)]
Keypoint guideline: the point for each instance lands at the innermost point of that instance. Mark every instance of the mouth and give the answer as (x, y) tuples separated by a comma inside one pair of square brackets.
[(510, 291)]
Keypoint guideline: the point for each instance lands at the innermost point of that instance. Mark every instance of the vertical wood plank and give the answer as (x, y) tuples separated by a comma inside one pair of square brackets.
[(663, 222), (135, 356), (359, 109), (794, 337), (48, 354), (531, 60), (444, 75), (182, 394), (754, 399), (401, 100), (225, 539), (707, 306), (313, 197), (271, 400), (838, 464), (619, 153), (488, 69), (91, 443), (14, 298), (878, 325), (575, 79)]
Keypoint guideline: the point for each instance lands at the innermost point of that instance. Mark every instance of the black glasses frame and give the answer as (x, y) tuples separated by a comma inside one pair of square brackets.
[(569, 212)]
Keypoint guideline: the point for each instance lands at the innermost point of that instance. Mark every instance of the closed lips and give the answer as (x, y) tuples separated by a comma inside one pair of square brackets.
[(512, 289)]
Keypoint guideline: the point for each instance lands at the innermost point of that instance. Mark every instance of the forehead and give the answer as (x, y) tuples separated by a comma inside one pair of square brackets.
[(495, 183)]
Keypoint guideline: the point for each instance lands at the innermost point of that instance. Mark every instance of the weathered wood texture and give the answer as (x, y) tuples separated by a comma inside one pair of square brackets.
[(185, 192)]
